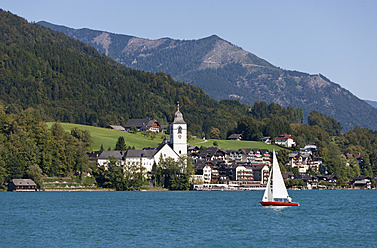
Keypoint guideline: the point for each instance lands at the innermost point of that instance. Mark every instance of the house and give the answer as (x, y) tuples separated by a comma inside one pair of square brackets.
[(266, 140), (119, 128), (304, 161), (22, 185), (309, 148), (144, 158), (300, 161), (105, 156), (328, 178), (203, 172), (163, 128), (93, 156), (285, 140), (309, 180), (261, 173), (244, 173), (212, 153), (361, 182), (192, 149), (235, 137), (143, 125)]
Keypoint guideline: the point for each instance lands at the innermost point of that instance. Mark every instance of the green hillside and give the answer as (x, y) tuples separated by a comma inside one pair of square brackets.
[(108, 137)]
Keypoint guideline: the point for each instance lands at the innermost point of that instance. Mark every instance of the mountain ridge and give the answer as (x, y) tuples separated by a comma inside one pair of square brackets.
[(225, 71), (372, 103)]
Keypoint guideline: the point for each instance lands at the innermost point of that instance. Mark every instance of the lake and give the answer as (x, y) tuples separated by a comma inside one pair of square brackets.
[(325, 218)]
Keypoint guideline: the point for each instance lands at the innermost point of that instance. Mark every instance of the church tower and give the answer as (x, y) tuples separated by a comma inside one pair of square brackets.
[(178, 134)]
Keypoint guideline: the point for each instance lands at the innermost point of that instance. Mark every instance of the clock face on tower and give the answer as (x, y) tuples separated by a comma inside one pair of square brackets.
[(179, 136)]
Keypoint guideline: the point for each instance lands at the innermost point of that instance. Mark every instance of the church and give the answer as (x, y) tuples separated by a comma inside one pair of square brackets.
[(175, 148)]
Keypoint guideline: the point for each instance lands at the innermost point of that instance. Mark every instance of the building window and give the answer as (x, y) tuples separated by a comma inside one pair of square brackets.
[(179, 129)]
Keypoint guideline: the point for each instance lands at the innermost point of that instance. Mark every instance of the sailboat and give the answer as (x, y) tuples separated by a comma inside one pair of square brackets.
[(276, 193)]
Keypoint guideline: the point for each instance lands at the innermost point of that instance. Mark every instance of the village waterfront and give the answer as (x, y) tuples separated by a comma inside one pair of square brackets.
[(325, 218)]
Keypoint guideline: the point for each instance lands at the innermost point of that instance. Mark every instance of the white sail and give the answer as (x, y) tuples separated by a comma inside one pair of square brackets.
[(267, 196), (278, 187)]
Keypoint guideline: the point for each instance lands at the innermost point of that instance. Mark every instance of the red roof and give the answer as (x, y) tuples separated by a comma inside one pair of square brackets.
[(284, 136)]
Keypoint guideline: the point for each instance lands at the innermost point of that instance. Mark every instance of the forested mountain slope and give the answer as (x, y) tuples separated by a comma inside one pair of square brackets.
[(69, 81), (225, 71)]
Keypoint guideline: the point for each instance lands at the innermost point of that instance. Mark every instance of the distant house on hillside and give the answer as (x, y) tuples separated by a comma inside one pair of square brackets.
[(163, 128), (285, 140), (143, 125), (22, 185), (266, 140), (235, 136), (120, 128), (309, 148)]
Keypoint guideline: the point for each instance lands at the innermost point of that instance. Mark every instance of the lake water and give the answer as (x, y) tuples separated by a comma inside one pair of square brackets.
[(333, 218)]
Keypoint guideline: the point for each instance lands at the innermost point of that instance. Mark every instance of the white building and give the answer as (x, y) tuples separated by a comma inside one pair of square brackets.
[(105, 156), (285, 140)]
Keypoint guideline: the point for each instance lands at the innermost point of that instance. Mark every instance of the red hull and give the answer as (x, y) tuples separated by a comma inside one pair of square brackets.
[(279, 204)]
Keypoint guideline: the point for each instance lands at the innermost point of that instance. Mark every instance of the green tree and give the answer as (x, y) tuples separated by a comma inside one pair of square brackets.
[(133, 130), (329, 124), (83, 136), (134, 176), (35, 173), (215, 133), (121, 144), (174, 175)]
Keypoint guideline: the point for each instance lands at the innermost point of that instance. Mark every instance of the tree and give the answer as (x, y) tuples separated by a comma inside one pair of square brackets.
[(121, 144), (134, 176), (174, 175), (215, 133), (83, 136), (3, 174), (329, 124), (133, 130), (35, 173)]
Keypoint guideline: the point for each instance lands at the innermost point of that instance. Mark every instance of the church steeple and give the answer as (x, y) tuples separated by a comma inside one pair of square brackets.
[(178, 133), (178, 117)]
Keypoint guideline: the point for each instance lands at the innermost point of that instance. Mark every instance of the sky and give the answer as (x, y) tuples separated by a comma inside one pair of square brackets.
[(336, 38)]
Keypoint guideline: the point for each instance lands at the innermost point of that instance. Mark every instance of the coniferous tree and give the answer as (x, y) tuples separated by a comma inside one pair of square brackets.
[(121, 144)]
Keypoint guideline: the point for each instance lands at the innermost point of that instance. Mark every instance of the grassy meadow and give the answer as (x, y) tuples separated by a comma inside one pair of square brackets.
[(109, 137)]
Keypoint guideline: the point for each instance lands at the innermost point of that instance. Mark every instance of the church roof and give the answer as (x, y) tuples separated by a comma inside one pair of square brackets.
[(178, 117)]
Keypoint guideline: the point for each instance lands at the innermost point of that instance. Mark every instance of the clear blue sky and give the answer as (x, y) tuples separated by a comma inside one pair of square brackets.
[(336, 38)]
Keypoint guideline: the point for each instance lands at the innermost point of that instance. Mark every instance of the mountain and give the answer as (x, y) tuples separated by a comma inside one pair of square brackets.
[(66, 80), (225, 71), (372, 103)]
